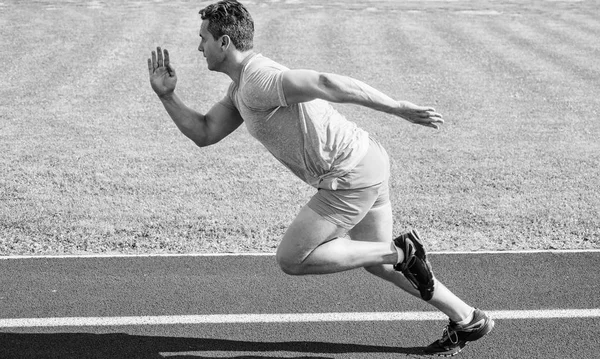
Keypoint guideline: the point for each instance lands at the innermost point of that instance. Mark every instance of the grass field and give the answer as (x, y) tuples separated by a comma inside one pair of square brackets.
[(91, 163)]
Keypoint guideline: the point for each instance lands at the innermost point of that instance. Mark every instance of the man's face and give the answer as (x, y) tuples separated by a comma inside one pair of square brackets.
[(210, 47)]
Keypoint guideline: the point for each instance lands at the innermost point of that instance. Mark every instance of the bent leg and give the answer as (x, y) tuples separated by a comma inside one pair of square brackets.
[(377, 227), (314, 245)]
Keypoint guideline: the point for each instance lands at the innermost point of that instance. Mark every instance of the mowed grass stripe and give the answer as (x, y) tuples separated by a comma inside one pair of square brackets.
[(42, 65), (585, 21), (572, 33), (535, 58), (569, 59), (564, 89), (551, 90), (480, 71), (427, 68)]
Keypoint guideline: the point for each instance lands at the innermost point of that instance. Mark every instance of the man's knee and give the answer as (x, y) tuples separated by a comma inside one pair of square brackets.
[(289, 264), (291, 267)]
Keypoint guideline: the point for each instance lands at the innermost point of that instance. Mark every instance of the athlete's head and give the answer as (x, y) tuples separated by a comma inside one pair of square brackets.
[(230, 18)]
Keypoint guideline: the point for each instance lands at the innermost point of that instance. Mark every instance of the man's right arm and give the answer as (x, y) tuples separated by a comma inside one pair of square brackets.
[(206, 129)]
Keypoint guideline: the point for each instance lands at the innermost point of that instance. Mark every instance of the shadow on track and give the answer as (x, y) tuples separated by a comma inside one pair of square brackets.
[(121, 346)]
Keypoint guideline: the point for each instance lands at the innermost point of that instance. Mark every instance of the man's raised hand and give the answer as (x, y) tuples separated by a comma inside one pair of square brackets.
[(424, 116), (162, 75)]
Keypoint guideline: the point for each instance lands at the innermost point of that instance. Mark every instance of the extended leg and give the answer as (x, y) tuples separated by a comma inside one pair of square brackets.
[(377, 226)]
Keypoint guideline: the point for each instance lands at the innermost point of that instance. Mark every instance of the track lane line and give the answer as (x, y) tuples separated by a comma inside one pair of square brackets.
[(283, 318), (270, 254)]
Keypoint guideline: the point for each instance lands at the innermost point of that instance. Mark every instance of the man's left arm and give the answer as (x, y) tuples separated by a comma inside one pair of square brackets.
[(307, 85)]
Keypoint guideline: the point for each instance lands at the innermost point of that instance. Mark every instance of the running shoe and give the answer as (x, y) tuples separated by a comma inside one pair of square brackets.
[(415, 267), (455, 337)]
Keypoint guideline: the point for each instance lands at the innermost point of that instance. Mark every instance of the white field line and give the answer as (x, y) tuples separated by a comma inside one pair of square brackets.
[(283, 318), (167, 255)]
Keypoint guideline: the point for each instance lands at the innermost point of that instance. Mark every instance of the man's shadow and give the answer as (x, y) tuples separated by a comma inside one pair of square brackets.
[(125, 346)]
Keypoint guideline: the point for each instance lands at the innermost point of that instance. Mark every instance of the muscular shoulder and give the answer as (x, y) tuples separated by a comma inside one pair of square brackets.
[(261, 83), (261, 64)]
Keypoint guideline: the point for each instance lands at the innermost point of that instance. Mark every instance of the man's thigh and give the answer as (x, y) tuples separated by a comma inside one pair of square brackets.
[(308, 231), (365, 214), (376, 226)]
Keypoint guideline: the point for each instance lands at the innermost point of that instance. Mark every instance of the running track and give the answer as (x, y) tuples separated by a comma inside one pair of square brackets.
[(546, 305)]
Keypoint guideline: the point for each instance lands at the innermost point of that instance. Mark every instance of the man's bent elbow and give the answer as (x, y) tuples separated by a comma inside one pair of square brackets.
[(327, 82), (333, 88), (203, 141)]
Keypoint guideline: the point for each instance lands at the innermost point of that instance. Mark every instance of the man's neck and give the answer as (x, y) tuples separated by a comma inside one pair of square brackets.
[(236, 64)]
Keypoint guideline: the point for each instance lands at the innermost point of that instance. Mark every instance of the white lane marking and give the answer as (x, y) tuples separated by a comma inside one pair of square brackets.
[(133, 256), (283, 318), (251, 254)]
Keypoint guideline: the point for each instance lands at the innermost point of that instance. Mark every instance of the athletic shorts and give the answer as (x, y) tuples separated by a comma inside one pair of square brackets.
[(363, 188)]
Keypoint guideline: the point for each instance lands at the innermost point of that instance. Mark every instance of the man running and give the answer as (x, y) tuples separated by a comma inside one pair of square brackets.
[(347, 224)]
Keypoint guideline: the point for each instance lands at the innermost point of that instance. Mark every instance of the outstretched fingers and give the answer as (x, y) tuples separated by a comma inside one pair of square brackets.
[(431, 114), (434, 122), (150, 67), (168, 63), (152, 62), (428, 117), (159, 57)]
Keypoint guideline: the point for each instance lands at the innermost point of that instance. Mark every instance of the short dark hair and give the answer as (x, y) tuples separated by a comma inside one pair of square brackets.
[(231, 18)]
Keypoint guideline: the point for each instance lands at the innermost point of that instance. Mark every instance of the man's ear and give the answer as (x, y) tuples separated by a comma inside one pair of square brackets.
[(225, 42)]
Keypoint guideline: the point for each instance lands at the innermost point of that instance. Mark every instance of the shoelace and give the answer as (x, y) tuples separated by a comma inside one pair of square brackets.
[(449, 334)]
